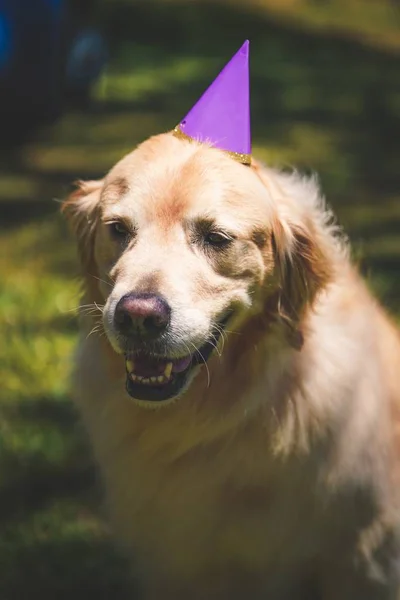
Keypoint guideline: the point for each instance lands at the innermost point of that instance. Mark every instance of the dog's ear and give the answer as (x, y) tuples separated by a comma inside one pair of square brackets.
[(303, 248), (81, 211), (302, 266)]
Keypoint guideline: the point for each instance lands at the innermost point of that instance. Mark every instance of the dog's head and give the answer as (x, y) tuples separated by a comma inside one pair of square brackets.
[(179, 240)]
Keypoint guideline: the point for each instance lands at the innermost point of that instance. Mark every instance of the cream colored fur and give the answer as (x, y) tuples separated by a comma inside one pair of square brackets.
[(276, 474)]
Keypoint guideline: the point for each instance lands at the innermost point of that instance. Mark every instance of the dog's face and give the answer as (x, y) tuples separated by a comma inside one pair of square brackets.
[(182, 241)]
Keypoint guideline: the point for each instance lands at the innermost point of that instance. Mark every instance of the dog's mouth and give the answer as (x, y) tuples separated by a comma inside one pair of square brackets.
[(155, 378)]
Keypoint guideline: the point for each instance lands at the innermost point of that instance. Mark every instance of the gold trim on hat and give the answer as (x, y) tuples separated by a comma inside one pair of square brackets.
[(245, 159)]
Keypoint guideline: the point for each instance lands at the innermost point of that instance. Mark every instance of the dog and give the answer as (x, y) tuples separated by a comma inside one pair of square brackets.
[(244, 401)]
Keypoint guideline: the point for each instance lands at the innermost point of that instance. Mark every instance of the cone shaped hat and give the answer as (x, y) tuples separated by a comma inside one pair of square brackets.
[(221, 117)]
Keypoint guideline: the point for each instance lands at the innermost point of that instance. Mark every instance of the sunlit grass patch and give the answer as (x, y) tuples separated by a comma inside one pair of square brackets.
[(160, 75), (38, 335), (371, 21), (36, 308)]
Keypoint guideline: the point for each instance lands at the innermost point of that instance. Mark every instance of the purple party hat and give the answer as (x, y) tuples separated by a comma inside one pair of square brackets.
[(222, 115)]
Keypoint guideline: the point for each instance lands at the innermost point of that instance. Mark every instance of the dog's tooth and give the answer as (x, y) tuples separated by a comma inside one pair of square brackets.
[(153, 379), (130, 366), (168, 370), (160, 378), (145, 380)]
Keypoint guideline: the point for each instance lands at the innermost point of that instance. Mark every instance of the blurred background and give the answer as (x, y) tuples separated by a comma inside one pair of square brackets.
[(82, 82)]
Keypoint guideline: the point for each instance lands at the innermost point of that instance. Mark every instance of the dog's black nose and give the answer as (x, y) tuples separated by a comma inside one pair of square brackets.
[(142, 316)]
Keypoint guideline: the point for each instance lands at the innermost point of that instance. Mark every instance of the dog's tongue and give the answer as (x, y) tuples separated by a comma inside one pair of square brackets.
[(146, 366), (181, 364)]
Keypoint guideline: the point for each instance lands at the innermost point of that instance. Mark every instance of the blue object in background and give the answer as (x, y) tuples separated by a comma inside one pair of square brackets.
[(86, 58), (5, 41), (31, 57), (47, 56)]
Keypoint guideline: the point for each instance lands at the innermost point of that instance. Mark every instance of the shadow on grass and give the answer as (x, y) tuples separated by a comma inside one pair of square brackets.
[(52, 542), (73, 567), (53, 467)]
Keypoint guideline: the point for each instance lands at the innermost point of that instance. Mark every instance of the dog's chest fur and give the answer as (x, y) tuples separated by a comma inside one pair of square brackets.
[(188, 506), (213, 507), (195, 492)]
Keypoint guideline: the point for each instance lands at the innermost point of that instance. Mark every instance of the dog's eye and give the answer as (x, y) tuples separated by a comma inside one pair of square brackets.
[(118, 230), (217, 239)]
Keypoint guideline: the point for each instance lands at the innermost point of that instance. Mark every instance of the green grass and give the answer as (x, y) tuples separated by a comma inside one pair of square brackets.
[(324, 97), (53, 542)]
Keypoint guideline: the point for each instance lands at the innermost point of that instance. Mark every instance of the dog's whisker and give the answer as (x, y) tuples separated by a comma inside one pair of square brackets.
[(97, 328), (87, 310), (103, 280), (99, 307), (86, 307), (76, 309), (88, 314), (187, 348), (214, 344), (218, 352), (90, 305), (205, 363), (223, 334)]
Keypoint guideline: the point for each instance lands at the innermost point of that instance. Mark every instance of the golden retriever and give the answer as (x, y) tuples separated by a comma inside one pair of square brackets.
[(243, 404)]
